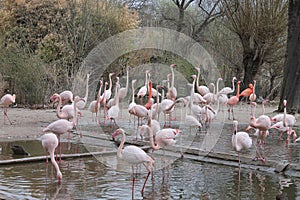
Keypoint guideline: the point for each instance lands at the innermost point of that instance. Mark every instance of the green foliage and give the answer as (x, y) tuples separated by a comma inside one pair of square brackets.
[(26, 74)]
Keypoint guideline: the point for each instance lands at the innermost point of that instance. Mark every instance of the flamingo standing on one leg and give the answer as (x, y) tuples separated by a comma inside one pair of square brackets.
[(232, 101), (50, 142), (240, 140), (6, 101), (134, 156)]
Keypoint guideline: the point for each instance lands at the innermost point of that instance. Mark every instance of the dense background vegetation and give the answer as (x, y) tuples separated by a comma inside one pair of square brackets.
[(44, 42)]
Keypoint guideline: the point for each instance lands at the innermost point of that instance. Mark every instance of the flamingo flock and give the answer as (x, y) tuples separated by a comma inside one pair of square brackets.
[(201, 108)]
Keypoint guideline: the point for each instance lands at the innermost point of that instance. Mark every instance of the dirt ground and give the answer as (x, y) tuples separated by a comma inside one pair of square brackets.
[(28, 123)]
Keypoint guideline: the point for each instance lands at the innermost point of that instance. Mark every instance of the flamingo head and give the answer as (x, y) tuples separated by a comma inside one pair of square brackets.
[(239, 82), (77, 99), (234, 78), (173, 65), (54, 97), (194, 76), (59, 177), (235, 124), (117, 132), (250, 85), (111, 74), (197, 68), (176, 131), (284, 103), (133, 81)]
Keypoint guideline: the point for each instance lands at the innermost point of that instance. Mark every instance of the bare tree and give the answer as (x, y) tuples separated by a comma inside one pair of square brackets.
[(261, 28), (291, 81)]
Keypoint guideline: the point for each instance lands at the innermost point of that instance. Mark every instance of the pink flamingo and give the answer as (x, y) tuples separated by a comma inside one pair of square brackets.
[(124, 90), (95, 105), (134, 156), (228, 90), (262, 124), (288, 121), (66, 97), (143, 90), (281, 128), (197, 98), (232, 101), (149, 104), (50, 142), (67, 112), (132, 103), (62, 126), (108, 91), (172, 92), (164, 137), (202, 89), (81, 104), (240, 140), (113, 112), (6, 101)]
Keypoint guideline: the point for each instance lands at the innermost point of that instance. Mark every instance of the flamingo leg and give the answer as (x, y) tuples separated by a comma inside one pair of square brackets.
[(5, 114), (133, 179), (145, 182)]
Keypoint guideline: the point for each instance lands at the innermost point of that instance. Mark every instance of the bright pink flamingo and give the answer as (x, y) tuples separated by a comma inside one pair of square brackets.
[(50, 142), (6, 101), (134, 156), (66, 97), (202, 89), (232, 101), (62, 126), (95, 105), (240, 140)]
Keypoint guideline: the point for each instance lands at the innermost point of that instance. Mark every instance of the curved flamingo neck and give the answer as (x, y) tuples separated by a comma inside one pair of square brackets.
[(233, 86), (154, 146), (150, 95), (58, 110), (117, 94), (119, 152), (238, 90), (53, 161), (198, 77), (74, 122), (284, 114), (133, 91), (110, 82), (172, 83)]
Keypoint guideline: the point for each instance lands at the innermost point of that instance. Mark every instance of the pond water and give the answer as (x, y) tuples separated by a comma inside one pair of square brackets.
[(106, 177), (184, 179)]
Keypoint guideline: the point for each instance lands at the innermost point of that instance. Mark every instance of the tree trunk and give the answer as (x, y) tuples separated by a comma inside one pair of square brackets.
[(180, 18), (291, 80), (250, 61)]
